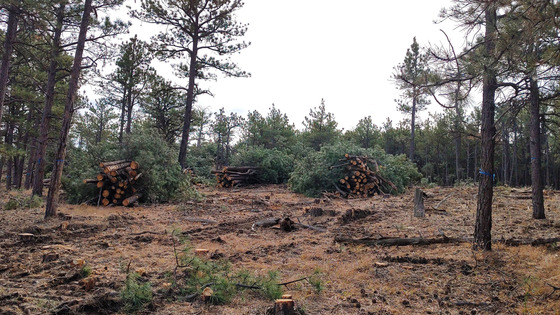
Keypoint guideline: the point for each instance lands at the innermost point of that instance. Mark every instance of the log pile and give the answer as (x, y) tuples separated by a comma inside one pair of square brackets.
[(231, 176), (360, 180), (115, 182)]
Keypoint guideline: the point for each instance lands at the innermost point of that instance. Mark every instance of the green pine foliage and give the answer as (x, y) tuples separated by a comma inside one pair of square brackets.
[(275, 165), (161, 173), (135, 294), (312, 174)]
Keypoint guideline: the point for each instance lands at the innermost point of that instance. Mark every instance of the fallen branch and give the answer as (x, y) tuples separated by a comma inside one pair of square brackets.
[(535, 242), (397, 241), (191, 219), (554, 289), (436, 207), (267, 222), (311, 227)]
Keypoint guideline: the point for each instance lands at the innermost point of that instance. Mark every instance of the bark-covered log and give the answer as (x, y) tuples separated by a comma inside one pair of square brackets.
[(131, 200), (397, 241)]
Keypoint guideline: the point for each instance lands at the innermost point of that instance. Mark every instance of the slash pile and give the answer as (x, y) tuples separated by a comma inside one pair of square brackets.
[(115, 182), (231, 176), (360, 180)]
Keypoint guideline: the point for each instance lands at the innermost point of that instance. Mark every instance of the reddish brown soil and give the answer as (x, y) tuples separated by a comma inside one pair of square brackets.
[(39, 273)]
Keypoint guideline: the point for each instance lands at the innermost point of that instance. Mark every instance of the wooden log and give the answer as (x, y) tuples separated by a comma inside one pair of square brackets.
[(115, 167), (101, 176), (105, 164), (134, 165), (105, 202), (397, 241), (105, 193), (130, 200), (90, 180), (100, 184), (267, 222)]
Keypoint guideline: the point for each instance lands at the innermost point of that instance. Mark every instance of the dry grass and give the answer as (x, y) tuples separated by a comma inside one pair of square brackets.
[(446, 278)]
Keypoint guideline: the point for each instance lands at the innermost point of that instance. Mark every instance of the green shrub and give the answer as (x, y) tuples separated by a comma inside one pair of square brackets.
[(201, 160), (135, 295), (161, 173), (312, 175), (275, 165), (20, 202)]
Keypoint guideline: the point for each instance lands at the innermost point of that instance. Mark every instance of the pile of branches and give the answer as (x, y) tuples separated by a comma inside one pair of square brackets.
[(231, 176), (359, 179), (115, 182)]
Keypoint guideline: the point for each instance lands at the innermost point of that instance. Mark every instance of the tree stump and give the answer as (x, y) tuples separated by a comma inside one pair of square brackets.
[(284, 307), (419, 211)]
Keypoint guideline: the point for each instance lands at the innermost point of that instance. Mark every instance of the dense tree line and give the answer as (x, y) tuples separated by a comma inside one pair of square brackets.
[(499, 93)]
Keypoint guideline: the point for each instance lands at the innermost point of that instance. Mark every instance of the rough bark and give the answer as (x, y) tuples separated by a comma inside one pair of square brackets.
[(190, 98), (13, 14), (412, 127), (9, 140), (536, 156), (419, 210), (483, 225), (52, 198), (49, 102)]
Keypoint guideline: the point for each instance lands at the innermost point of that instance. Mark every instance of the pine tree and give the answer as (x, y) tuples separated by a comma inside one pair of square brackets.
[(194, 27), (411, 77)]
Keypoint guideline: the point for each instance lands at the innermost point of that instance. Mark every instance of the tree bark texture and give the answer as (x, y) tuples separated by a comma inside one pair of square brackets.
[(52, 198), (49, 102), (13, 14), (536, 156), (190, 98), (483, 225), (412, 127)]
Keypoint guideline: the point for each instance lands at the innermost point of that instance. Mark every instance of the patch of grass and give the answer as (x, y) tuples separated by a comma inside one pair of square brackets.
[(135, 294), (20, 202), (316, 281), (85, 271)]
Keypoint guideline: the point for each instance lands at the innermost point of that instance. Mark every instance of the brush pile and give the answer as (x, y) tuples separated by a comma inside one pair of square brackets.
[(115, 182), (231, 176), (359, 179)]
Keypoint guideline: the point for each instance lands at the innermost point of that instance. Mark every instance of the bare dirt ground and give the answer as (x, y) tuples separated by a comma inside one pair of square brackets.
[(39, 273)]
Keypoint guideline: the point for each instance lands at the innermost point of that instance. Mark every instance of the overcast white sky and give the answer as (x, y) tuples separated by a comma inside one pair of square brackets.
[(303, 51)]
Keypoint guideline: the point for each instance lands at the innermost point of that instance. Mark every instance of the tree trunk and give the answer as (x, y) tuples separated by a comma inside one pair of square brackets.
[(190, 98), (483, 225), (49, 102), (11, 31), (514, 166), (468, 158), (536, 156), (9, 139), (129, 105), (123, 113), (52, 198), (412, 127)]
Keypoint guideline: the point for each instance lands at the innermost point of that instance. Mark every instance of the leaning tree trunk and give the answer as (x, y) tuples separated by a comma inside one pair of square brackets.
[(483, 225), (7, 53), (188, 108), (52, 197), (536, 156), (49, 102)]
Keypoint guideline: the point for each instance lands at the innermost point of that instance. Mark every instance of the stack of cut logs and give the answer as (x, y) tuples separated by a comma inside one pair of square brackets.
[(115, 183), (231, 176), (360, 180)]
